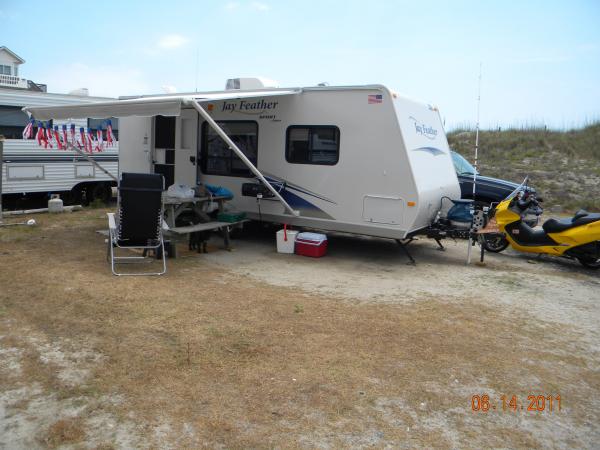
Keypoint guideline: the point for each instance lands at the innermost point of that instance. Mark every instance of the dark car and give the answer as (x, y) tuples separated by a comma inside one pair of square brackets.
[(488, 190)]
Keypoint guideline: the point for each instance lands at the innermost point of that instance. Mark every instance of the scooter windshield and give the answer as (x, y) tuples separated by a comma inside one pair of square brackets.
[(518, 189)]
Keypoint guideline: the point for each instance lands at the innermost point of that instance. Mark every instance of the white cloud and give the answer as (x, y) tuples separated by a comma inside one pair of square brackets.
[(260, 6), (102, 81), (171, 41), (232, 6)]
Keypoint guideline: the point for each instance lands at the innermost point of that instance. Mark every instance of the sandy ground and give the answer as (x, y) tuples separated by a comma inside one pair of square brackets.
[(375, 270), (254, 349)]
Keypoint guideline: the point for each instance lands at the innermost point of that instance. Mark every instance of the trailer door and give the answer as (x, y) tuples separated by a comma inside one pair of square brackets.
[(164, 148), (186, 135)]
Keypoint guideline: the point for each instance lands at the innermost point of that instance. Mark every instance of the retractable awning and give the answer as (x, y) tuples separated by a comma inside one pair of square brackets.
[(102, 110), (166, 106), (143, 106)]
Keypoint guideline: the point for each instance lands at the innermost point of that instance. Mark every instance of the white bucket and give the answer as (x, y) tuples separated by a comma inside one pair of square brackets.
[(284, 246)]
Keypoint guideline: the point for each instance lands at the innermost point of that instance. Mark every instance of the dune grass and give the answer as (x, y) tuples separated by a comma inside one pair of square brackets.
[(563, 165)]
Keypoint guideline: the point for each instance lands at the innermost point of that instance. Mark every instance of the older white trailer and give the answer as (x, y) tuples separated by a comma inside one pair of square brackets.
[(29, 169), (359, 159)]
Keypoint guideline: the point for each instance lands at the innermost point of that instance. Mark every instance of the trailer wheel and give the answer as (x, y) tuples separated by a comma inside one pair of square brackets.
[(79, 196), (99, 191)]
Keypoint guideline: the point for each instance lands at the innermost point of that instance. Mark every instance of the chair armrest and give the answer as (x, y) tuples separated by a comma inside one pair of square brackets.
[(112, 225)]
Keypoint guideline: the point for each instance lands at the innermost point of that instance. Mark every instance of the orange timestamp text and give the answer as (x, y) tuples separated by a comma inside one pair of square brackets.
[(535, 403)]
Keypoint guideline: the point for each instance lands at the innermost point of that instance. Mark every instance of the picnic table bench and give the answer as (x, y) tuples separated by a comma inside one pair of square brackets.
[(175, 206)]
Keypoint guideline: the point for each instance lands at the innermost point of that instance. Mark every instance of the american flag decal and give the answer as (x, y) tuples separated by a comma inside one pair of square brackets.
[(378, 98)]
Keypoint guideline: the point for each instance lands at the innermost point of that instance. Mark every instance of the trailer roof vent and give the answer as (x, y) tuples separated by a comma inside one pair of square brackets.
[(246, 84), (81, 92)]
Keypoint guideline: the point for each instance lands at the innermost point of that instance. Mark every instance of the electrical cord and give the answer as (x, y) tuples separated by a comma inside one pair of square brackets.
[(442, 201), (258, 197)]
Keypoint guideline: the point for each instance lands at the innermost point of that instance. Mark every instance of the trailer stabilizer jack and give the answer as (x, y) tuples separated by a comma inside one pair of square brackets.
[(403, 243), (441, 247)]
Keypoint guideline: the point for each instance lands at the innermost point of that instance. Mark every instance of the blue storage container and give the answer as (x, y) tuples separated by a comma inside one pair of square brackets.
[(460, 214)]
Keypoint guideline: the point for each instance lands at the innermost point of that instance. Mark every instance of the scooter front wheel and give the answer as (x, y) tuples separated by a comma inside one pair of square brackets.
[(494, 242), (589, 262)]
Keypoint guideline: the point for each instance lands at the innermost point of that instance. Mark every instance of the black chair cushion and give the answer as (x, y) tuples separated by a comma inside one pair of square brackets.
[(140, 214), (138, 243)]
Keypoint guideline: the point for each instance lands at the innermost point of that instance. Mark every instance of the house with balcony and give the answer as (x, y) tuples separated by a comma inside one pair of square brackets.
[(9, 72)]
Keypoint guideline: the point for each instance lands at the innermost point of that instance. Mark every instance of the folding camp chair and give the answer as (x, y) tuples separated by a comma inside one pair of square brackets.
[(138, 225)]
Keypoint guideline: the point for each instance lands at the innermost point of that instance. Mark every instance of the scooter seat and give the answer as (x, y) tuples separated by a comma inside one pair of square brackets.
[(558, 226)]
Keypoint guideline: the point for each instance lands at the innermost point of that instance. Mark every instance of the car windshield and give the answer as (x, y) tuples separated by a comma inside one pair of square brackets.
[(461, 165)]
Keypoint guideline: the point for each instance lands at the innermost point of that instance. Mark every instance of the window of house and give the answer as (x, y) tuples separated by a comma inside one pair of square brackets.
[(5, 70), (317, 144), (216, 156)]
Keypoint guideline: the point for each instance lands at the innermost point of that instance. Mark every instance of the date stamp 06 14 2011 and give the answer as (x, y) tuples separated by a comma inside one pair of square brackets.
[(534, 403)]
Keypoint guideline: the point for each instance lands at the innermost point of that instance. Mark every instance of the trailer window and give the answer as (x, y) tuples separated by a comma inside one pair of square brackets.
[(216, 156), (318, 144)]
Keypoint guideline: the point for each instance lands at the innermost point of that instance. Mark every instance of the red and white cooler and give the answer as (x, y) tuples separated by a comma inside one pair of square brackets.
[(311, 244)]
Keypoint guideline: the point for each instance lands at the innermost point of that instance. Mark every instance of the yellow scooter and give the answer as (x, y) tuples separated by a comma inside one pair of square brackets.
[(577, 237)]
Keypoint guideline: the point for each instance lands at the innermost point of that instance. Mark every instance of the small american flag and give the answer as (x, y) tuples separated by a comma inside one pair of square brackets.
[(378, 98)]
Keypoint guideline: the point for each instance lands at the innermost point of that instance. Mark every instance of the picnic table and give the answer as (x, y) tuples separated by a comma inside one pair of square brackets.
[(173, 207)]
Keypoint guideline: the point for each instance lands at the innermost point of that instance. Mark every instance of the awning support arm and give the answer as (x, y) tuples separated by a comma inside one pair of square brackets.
[(215, 126), (70, 146)]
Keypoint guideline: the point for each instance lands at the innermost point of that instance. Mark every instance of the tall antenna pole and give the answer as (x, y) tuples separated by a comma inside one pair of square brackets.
[(477, 132), (475, 164), (196, 73)]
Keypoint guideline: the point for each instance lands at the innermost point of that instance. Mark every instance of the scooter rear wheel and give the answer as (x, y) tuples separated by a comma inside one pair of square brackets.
[(589, 262)]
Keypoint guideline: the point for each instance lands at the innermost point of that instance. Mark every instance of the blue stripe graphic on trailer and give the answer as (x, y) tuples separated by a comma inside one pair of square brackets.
[(297, 201), (305, 207), (434, 151), (277, 184), (304, 191)]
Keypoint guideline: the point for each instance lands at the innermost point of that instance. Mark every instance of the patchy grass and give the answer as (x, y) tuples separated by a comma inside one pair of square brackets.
[(245, 365), (62, 432)]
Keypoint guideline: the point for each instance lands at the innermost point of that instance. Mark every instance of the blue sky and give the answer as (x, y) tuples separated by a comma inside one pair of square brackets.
[(540, 59)]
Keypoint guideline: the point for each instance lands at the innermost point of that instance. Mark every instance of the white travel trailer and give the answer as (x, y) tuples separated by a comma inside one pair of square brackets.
[(28, 168), (358, 159)]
